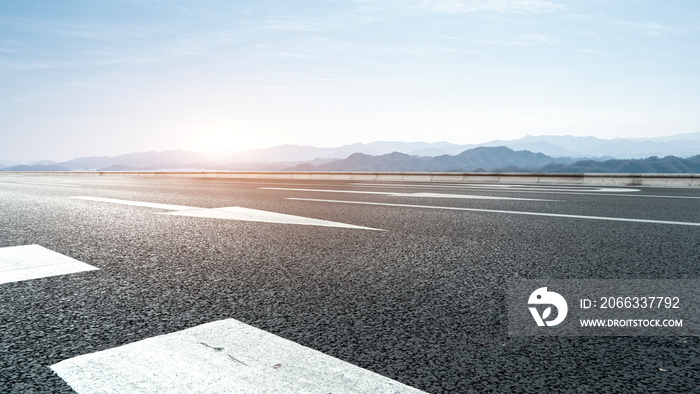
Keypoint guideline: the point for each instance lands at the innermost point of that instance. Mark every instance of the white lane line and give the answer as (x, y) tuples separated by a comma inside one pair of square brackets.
[(537, 190), (558, 215), (38, 184), (231, 213), (225, 356), (509, 187), (27, 262), (391, 194)]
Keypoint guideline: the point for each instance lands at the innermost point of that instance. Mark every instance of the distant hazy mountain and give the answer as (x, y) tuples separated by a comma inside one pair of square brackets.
[(120, 167), (38, 167), (502, 159), (492, 158), (8, 163), (666, 165), (163, 159), (683, 145), (476, 159), (42, 163), (268, 166), (286, 156), (363, 162), (496, 159), (306, 153), (671, 138)]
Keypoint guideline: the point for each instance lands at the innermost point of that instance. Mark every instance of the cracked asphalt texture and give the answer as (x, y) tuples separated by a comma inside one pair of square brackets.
[(422, 302)]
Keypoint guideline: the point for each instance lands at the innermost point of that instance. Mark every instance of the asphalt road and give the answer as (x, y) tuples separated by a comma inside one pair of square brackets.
[(422, 302)]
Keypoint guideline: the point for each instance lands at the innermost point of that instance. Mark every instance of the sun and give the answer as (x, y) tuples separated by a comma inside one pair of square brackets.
[(225, 139)]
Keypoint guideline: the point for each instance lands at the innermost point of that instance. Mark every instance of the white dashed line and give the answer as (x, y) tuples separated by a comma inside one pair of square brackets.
[(231, 213), (581, 191), (558, 215), (26, 262), (225, 356), (426, 195), (38, 184), (507, 187)]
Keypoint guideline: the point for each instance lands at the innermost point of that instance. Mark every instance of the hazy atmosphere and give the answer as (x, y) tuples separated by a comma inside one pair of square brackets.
[(349, 196), (83, 78)]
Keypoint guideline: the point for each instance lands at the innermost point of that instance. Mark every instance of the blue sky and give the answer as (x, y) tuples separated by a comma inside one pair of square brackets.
[(106, 77)]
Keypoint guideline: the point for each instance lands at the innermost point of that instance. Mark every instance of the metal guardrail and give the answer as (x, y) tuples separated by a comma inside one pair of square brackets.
[(654, 180)]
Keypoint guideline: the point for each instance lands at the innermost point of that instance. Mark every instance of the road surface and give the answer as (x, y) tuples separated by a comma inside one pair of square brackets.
[(406, 280)]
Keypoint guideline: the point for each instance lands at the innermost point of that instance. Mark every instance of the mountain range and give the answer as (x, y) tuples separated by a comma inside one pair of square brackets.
[(541, 153), (682, 145), (502, 159), (476, 159), (653, 164)]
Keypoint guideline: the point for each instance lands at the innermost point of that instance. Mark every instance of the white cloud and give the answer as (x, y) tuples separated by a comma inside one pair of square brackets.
[(540, 38), (649, 28), (297, 23), (593, 35), (528, 40), (465, 6), (28, 98), (588, 50)]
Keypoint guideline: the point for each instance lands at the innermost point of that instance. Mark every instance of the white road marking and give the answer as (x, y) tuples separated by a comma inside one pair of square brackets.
[(169, 207), (559, 215), (38, 184), (225, 356), (230, 213), (255, 215), (510, 186), (391, 194), (561, 189), (617, 192), (26, 262)]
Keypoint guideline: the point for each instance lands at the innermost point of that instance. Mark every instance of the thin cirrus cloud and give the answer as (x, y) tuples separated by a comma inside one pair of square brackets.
[(273, 72), (298, 23), (540, 38), (465, 6), (526, 40), (647, 27)]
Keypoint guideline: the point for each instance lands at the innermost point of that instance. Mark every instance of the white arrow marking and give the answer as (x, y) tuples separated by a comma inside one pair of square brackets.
[(169, 207), (230, 213), (26, 262), (391, 194), (225, 356)]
